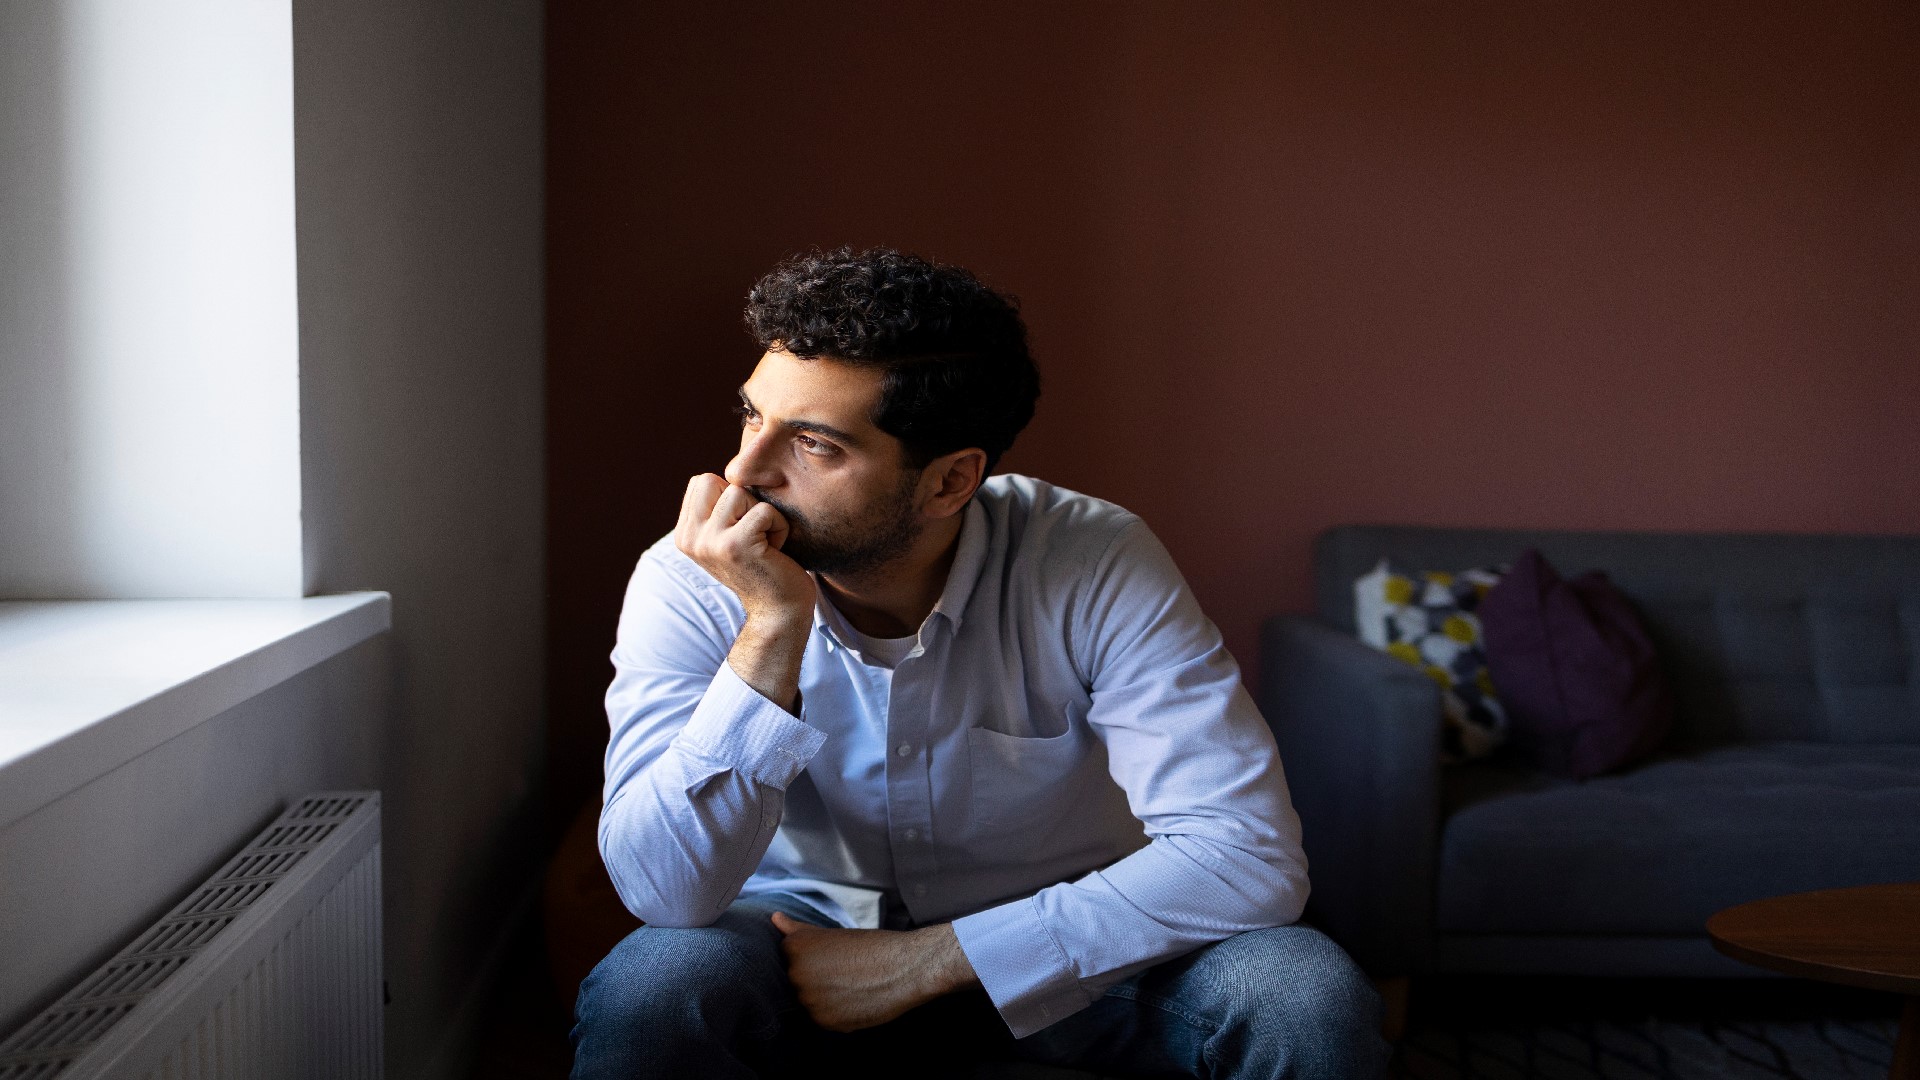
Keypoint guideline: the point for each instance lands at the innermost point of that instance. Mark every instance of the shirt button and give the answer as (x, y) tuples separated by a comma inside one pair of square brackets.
[(903, 749), (911, 834)]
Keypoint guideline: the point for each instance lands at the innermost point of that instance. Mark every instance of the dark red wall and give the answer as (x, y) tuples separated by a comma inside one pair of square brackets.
[(1635, 266)]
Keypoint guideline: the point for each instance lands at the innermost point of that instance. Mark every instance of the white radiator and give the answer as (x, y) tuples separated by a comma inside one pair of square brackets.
[(270, 969)]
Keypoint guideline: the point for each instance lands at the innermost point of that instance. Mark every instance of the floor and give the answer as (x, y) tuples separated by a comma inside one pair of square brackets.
[(1645, 1030), (1460, 1029), (524, 1032)]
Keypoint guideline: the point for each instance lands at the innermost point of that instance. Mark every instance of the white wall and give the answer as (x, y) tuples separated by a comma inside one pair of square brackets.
[(149, 412), (414, 157)]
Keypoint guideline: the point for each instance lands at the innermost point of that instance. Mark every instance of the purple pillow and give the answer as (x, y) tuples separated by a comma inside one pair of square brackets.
[(1575, 669)]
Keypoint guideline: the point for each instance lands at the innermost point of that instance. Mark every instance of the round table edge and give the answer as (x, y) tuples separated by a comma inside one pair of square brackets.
[(1807, 969)]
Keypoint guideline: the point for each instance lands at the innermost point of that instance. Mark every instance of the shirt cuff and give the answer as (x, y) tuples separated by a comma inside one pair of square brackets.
[(1022, 967), (735, 726)]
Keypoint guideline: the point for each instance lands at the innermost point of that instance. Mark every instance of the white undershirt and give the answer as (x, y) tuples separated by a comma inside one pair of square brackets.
[(885, 652)]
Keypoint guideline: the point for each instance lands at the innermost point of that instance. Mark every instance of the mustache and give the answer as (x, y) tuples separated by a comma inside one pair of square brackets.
[(785, 511)]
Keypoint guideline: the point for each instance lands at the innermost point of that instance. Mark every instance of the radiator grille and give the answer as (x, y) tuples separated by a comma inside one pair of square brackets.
[(231, 1024)]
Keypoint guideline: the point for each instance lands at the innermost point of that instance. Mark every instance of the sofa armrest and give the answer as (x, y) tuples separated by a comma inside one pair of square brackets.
[(1359, 735)]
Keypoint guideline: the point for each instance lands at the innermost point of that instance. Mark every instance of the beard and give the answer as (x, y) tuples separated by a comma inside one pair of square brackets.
[(835, 544)]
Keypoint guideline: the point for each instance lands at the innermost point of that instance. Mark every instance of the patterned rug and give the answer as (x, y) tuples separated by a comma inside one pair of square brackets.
[(1576, 1029)]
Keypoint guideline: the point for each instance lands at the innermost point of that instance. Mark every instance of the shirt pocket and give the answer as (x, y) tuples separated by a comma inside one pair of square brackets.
[(1020, 784)]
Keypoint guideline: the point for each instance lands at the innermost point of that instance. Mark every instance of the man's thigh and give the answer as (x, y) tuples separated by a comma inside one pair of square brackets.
[(716, 995), (741, 945), (716, 1002), (1283, 1002)]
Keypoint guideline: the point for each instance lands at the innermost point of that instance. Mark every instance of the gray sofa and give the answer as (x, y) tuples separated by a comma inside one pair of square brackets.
[(1794, 763)]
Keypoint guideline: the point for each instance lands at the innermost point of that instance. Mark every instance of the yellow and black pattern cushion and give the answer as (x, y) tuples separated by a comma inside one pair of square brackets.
[(1429, 620)]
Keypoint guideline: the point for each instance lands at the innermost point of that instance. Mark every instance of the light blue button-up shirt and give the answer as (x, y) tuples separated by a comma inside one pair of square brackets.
[(1065, 765)]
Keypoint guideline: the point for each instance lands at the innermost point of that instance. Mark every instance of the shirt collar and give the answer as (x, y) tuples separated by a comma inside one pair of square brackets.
[(969, 557), (825, 616)]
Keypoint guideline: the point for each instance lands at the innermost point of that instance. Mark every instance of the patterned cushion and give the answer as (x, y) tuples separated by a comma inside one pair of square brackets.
[(1428, 620)]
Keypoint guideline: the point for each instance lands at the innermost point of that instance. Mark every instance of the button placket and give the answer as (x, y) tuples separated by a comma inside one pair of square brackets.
[(909, 792)]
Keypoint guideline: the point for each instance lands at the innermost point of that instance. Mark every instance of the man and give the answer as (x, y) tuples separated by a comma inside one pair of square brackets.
[(896, 745)]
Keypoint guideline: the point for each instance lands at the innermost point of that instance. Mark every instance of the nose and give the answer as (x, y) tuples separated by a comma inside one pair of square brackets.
[(755, 465)]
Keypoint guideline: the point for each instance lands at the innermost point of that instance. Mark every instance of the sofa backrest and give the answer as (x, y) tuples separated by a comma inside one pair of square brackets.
[(1762, 637)]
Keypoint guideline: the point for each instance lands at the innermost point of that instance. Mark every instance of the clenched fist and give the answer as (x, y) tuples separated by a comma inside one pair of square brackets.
[(737, 538)]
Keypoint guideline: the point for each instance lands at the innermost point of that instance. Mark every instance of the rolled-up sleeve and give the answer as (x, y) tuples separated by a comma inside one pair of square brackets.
[(698, 762), (1201, 773)]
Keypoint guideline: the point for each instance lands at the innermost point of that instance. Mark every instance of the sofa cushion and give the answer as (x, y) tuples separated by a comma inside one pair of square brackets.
[(1427, 619), (1661, 848), (1575, 669), (1762, 638)]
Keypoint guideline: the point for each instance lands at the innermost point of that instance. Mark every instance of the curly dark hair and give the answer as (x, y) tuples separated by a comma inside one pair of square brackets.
[(954, 352)]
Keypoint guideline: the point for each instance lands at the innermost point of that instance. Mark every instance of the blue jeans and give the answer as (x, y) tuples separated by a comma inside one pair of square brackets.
[(714, 1003)]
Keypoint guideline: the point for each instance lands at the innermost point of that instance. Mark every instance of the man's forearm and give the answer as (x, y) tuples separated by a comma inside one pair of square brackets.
[(687, 823), (767, 656), (853, 979), (946, 964)]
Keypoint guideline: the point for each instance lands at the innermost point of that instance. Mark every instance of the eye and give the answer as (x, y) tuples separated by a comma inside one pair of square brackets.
[(813, 445), (746, 414)]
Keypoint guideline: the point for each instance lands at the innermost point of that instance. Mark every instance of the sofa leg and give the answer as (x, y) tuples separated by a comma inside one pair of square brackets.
[(1394, 992)]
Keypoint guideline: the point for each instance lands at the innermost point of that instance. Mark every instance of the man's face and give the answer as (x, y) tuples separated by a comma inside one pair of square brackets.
[(808, 449)]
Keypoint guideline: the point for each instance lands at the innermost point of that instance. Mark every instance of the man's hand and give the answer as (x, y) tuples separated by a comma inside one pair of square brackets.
[(853, 979), (736, 538)]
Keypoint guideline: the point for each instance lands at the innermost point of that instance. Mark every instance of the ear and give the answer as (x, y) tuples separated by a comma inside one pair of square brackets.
[(949, 481)]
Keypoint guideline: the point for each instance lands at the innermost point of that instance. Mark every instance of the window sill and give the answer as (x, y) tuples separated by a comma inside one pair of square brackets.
[(88, 685)]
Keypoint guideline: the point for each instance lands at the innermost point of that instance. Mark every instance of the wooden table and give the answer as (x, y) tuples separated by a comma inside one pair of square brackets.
[(1867, 936)]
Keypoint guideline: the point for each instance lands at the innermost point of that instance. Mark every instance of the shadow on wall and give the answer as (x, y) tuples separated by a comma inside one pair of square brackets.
[(39, 461)]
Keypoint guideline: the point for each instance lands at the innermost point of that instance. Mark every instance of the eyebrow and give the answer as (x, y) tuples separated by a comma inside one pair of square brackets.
[(811, 426)]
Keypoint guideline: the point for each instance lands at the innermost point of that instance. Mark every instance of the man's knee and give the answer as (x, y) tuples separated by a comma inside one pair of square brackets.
[(657, 975), (668, 1002), (1290, 993)]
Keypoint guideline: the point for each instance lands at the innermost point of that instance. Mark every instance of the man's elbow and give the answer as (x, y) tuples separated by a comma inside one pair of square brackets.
[(1290, 899), (672, 901), (1264, 882), (1280, 892), (1288, 865), (680, 908)]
